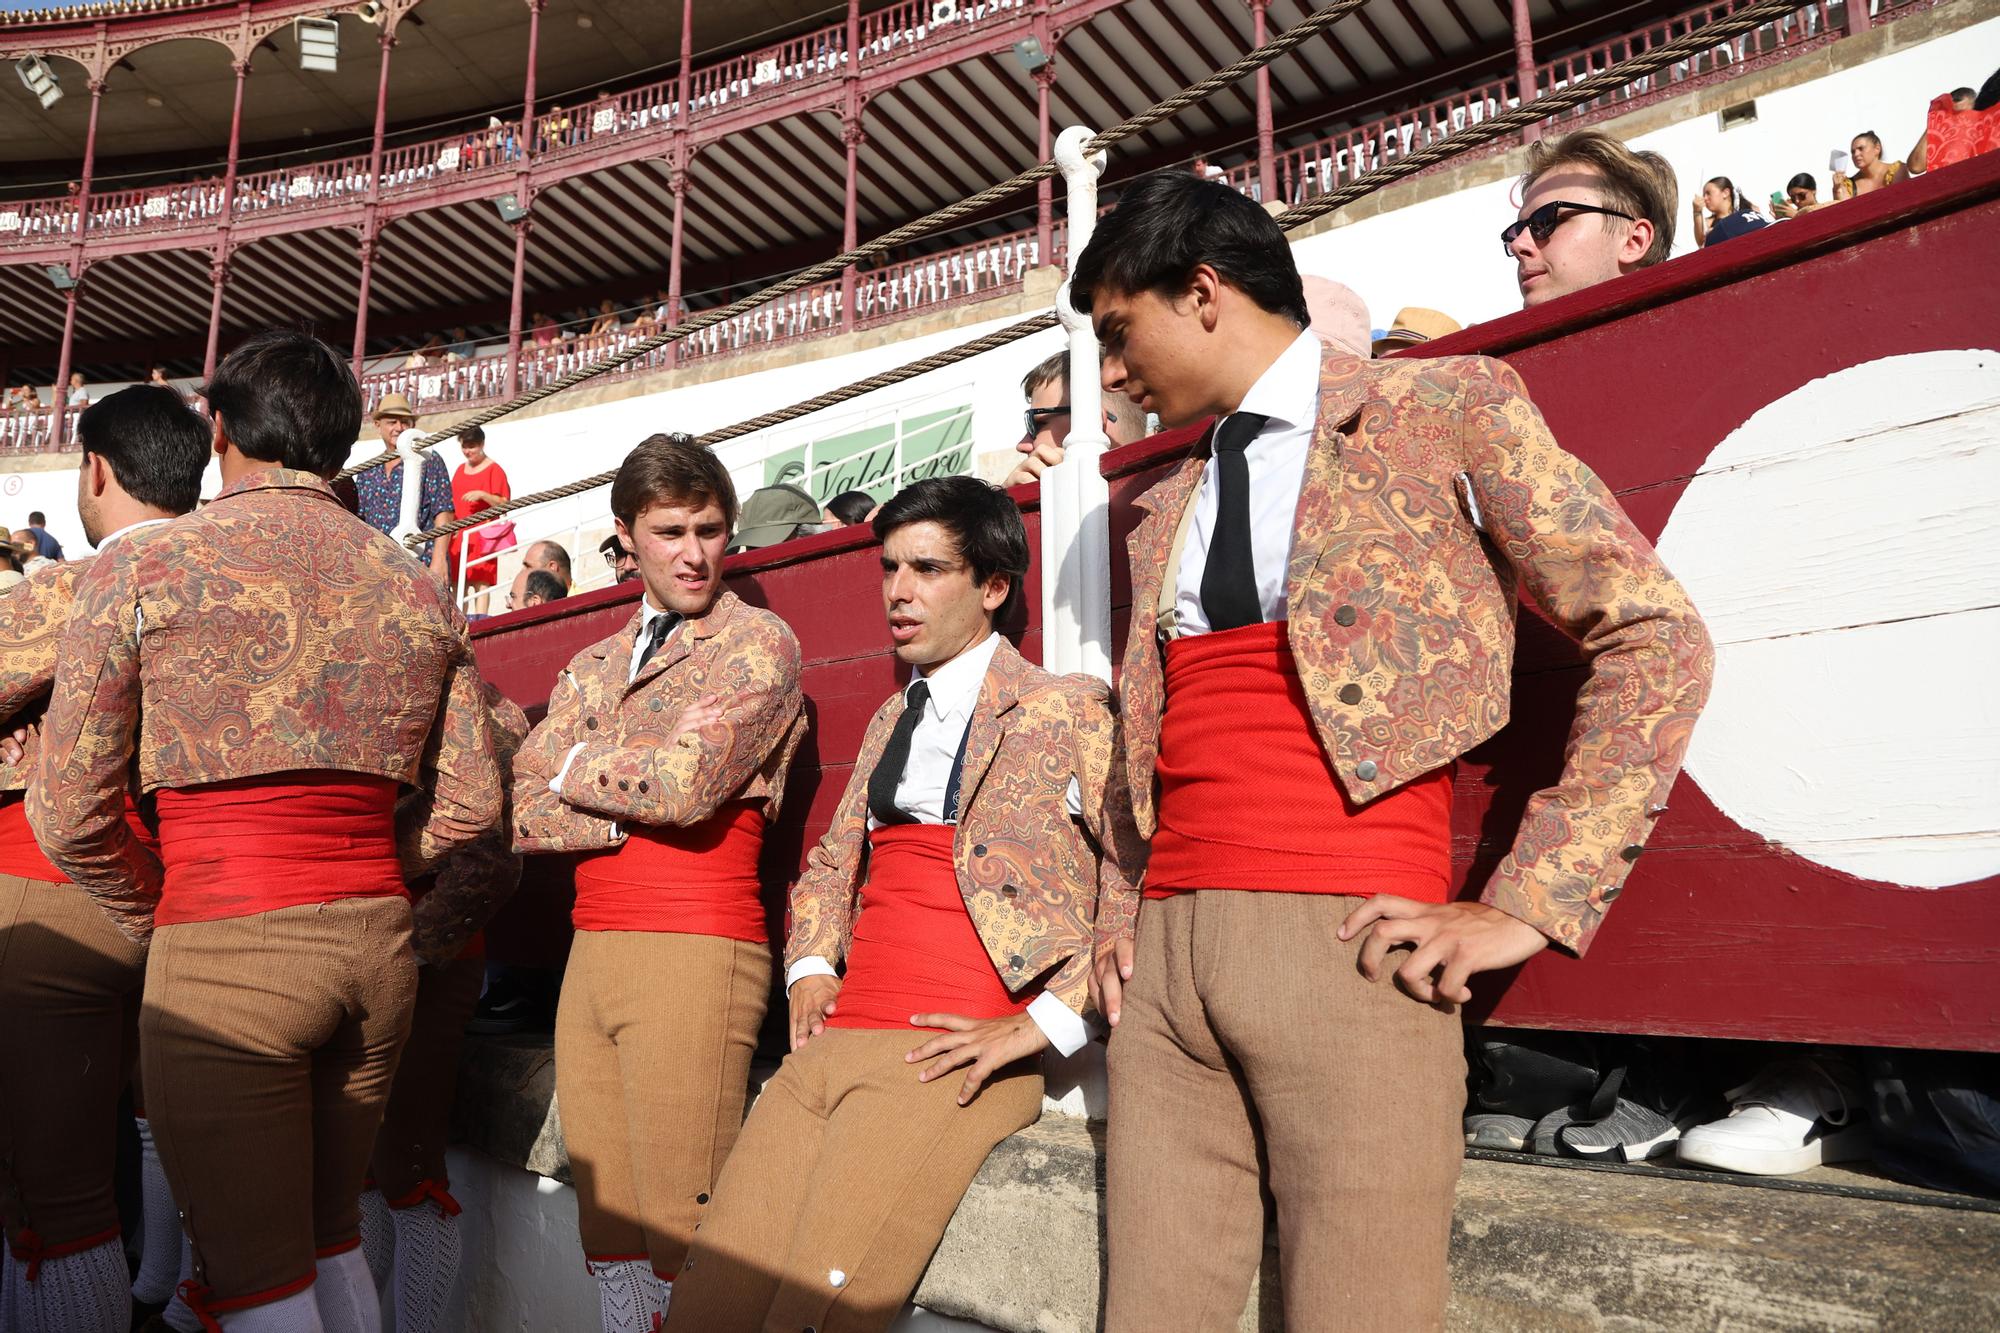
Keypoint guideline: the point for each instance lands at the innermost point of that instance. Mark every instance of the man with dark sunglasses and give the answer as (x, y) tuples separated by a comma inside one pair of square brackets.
[(1046, 421), (1591, 210)]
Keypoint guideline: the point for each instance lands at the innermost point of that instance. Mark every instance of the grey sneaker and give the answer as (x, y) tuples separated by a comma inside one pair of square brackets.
[(1631, 1133), (1508, 1133)]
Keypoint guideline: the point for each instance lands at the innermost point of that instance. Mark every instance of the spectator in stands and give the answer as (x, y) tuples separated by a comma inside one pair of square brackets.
[(550, 556), (158, 375), (1801, 197), (1959, 125), (544, 330), (461, 347), (38, 536), (1413, 327), (1589, 172), (10, 566), (624, 567), (23, 399), (480, 483), (1870, 171), (533, 587), (1047, 421), (606, 322), (380, 489), (1720, 215), (1339, 315), (851, 507), (1205, 170), (78, 395), (775, 514)]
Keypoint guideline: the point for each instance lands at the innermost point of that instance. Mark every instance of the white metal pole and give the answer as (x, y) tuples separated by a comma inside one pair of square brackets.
[(413, 483), (1076, 503)]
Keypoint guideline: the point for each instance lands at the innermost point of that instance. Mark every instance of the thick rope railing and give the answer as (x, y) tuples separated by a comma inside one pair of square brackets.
[(1292, 37), (1512, 121)]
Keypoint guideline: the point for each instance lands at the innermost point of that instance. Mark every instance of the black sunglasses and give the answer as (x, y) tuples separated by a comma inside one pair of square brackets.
[(1036, 417), (1542, 223)]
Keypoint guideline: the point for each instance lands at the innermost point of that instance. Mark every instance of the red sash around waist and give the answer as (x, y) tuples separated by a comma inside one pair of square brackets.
[(252, 845), (1249, 801), (915, 950), (22, 857), (698, 880)]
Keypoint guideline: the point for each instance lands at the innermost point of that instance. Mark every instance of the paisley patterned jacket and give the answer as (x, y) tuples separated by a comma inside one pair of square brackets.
[(271, 631), (1432, 488), (1033, 884), (626, 773), (33, 615), (477, 880)]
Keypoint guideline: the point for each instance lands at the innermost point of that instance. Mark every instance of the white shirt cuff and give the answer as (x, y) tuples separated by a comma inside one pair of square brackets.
[(556, 782), (812, 966), (1062, 1025)]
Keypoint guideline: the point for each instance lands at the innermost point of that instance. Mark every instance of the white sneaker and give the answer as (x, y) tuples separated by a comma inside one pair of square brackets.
[(1793, 1116)]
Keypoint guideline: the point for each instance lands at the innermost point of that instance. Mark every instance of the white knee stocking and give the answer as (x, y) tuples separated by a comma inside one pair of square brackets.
[(623, 1302), (296, 1313), (83, 1292), (427, 1245), (378, 1237), (348, 1302), (160, 1234)]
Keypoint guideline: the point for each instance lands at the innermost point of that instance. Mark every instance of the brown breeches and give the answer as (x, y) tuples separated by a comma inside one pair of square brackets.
[(416, 1124), (1252, 1054)]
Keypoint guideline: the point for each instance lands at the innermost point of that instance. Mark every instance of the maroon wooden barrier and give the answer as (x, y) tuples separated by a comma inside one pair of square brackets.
[(1718, 932)]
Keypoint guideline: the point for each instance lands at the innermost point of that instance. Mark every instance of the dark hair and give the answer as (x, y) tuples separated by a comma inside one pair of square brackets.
[(286, 397), (558, 557), (1961, 93), (36, 518), (154, 443), (544, 585), (1168, 223), (1871, 136), (1047, 371), (851, 506), (473, 435), (984, 524), (1729, 185), (1989, 92), (671, 469), (1805, 180)]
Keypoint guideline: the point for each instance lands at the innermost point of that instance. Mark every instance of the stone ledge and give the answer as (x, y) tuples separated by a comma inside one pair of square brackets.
[(1533, 1247)]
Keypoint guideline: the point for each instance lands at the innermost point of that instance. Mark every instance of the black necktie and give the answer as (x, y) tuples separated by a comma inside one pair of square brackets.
[(1229, 580), (888, 772), (656, 637)]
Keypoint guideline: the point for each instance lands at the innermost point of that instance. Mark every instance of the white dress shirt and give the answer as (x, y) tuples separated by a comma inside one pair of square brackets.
[(954, 692), (1287, 393)]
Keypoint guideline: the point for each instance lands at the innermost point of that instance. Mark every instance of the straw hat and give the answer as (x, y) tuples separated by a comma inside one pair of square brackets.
[(394, 405), (1415, 325)]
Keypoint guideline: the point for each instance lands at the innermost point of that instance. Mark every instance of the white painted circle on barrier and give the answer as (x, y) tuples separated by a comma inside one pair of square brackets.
[(1843, 545)]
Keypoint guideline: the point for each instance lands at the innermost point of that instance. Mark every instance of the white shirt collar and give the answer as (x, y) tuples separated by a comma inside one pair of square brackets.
[(1288, 390), (955, 685), (131, 527)]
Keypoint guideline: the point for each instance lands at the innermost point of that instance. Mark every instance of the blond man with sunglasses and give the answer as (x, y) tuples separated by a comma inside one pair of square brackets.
[(1591, 210)]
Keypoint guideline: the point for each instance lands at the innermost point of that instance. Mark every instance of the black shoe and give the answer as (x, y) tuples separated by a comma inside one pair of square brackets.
[(503, 1010)]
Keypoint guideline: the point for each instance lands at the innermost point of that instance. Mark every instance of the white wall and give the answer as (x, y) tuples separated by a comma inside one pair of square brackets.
[(1443, 253)]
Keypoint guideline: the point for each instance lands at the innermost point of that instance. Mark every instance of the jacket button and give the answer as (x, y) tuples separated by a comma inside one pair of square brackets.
[(1017, 962), (1010, 890), (1344, 616), (642, 787), (524, 830), (979, 849), (653, 704), (590, 724), (1365, 770), (1632, 853), (1350, 694), (1609, 894), (603, 780), (623, 785), (701, 1198)]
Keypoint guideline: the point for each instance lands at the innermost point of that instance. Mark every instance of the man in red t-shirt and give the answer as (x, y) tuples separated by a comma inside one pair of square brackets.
[(69, 982), (663, 757)]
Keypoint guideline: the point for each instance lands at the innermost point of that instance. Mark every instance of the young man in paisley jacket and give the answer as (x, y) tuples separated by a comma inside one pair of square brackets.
[(1323, 621), (982, 835), (280, 672), (663, 754), (69, 982)]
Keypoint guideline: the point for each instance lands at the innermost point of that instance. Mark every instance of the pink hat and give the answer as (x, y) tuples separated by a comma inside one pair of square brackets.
[(1339, 315)]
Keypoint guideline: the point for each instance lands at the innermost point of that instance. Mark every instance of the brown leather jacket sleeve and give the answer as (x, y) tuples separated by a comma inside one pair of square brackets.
[(687, 779), (76, 805), (824, 897), (1581, 560)]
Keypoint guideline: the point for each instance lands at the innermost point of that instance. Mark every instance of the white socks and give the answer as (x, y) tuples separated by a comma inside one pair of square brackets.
[(427, 1246), (177, 1314), (626, 1299), (83, 1292), (378, 1237), (296, 1313), (160, 1236), (348, 1302)]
